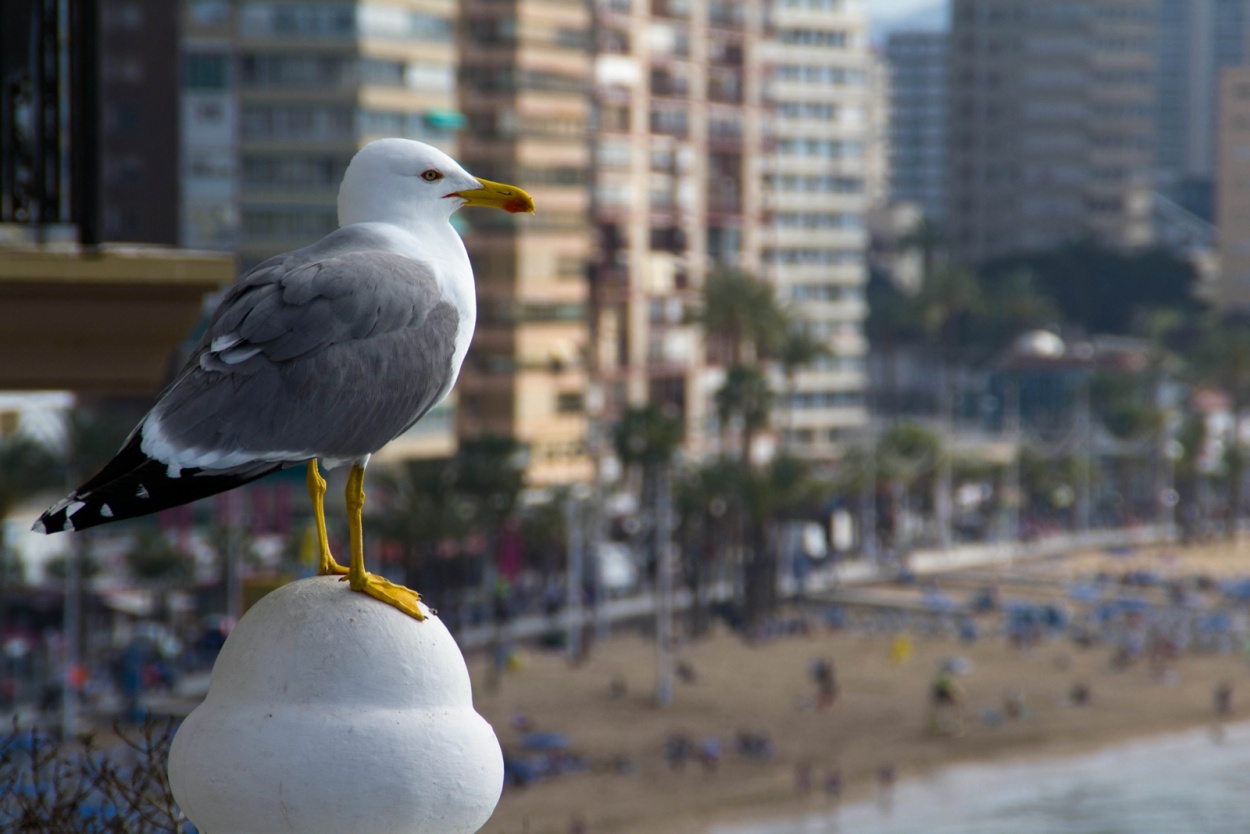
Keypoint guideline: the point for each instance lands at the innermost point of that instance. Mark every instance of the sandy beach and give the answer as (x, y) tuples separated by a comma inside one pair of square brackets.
[(881, 715)]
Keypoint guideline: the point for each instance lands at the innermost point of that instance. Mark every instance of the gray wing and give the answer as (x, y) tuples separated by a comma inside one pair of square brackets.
[(332, 351)]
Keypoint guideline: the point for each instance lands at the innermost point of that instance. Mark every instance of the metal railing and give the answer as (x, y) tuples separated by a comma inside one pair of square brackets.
[(49, 116)]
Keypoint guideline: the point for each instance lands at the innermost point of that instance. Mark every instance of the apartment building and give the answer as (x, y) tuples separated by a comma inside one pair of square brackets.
[(1053, 123), (277, 98), (730, 135), (677, 190), (825, 132), (316, 81), (209, 104), (525, 92)]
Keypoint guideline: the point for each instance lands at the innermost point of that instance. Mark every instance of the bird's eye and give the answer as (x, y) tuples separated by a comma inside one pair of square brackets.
[(431, 175)]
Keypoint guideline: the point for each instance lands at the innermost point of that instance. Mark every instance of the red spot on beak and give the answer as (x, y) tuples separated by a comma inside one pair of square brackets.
[(517, 206)]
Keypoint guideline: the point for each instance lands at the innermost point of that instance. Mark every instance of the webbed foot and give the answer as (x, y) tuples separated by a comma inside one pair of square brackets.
[(396, 596)]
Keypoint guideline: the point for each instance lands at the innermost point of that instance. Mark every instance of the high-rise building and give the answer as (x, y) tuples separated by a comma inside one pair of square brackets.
[(1197, 40), (918, 119), (276, 99), (817, 176), (660, 140), (1053, 123), (1232, 288), (677, 190), (316, 82), (524, 89), (731, 135), (210, 127), (138, 132)]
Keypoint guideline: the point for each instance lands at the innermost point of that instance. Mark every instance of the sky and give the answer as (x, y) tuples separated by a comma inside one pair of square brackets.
[(885, 15)]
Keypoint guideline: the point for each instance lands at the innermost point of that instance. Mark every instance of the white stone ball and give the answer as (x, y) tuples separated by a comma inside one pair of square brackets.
[(330, 712)]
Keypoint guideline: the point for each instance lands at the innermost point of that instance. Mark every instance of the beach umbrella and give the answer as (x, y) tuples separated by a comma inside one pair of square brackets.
[(545, 741), (1084, 593), (956, 665)]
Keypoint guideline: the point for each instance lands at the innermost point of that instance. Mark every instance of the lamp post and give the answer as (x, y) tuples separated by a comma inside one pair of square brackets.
[(573, 519), (664, 586), (1014, 435), (1173, 451), (1084, 458), (868, 504)]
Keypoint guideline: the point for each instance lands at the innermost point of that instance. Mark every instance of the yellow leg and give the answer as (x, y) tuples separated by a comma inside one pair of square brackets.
[(317, 493), (375, 586)]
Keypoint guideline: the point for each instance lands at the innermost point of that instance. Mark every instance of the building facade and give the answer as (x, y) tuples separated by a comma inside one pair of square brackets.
[(918, 96), (818, 178), (1053, 123), (524, 89), (276, 99), (1231, 290), (209, 165), (138, 126), (1198, 39), (676, 193)]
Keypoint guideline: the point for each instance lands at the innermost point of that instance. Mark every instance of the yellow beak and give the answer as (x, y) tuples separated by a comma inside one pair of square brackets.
[(496, 195)]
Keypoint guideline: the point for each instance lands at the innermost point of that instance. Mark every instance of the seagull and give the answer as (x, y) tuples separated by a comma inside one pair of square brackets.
[(328, 352)]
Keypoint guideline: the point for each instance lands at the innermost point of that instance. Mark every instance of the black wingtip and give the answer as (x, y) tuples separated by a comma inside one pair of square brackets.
[(132, 485)]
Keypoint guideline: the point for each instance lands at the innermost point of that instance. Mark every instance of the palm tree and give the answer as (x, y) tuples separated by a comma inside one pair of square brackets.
[(946, 300), (646, 440), (797, 350), (418, 510), (1223, 360), (741, 314), (747, 396), (909, 459), (647, 436)]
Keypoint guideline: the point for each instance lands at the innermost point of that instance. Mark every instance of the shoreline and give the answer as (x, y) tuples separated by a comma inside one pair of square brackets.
[(879, 717), (864, 802)]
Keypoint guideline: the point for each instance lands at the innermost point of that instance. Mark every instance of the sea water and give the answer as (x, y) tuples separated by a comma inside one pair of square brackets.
[(1192, 783)]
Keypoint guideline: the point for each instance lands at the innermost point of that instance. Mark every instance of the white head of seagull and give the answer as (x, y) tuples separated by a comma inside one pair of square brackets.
[(411, 184)]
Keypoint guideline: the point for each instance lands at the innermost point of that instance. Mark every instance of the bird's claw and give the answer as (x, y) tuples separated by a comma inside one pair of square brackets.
[(329, 567), (396, 596)]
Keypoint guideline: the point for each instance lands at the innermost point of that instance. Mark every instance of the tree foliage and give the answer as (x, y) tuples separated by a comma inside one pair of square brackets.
[(1099, 289), (425, 505), (741, 314), (647, 435)]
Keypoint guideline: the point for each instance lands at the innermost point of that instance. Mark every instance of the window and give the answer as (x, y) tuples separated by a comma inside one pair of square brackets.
[(209, 112), (205, 72), (379, 71), (298, 20), (293, 173), (297, 121), (210, 12), (813, 37), (280, 70), (570, 402), (390, 22)]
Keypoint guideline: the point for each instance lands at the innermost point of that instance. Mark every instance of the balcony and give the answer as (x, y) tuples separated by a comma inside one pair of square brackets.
[(75, 313)]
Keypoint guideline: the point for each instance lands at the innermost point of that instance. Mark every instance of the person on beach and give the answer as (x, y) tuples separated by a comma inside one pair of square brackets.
[(946, 698), (885, 786), (1222, 700), (833, 783), (803, 778), (826, 683), (709, 755)]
